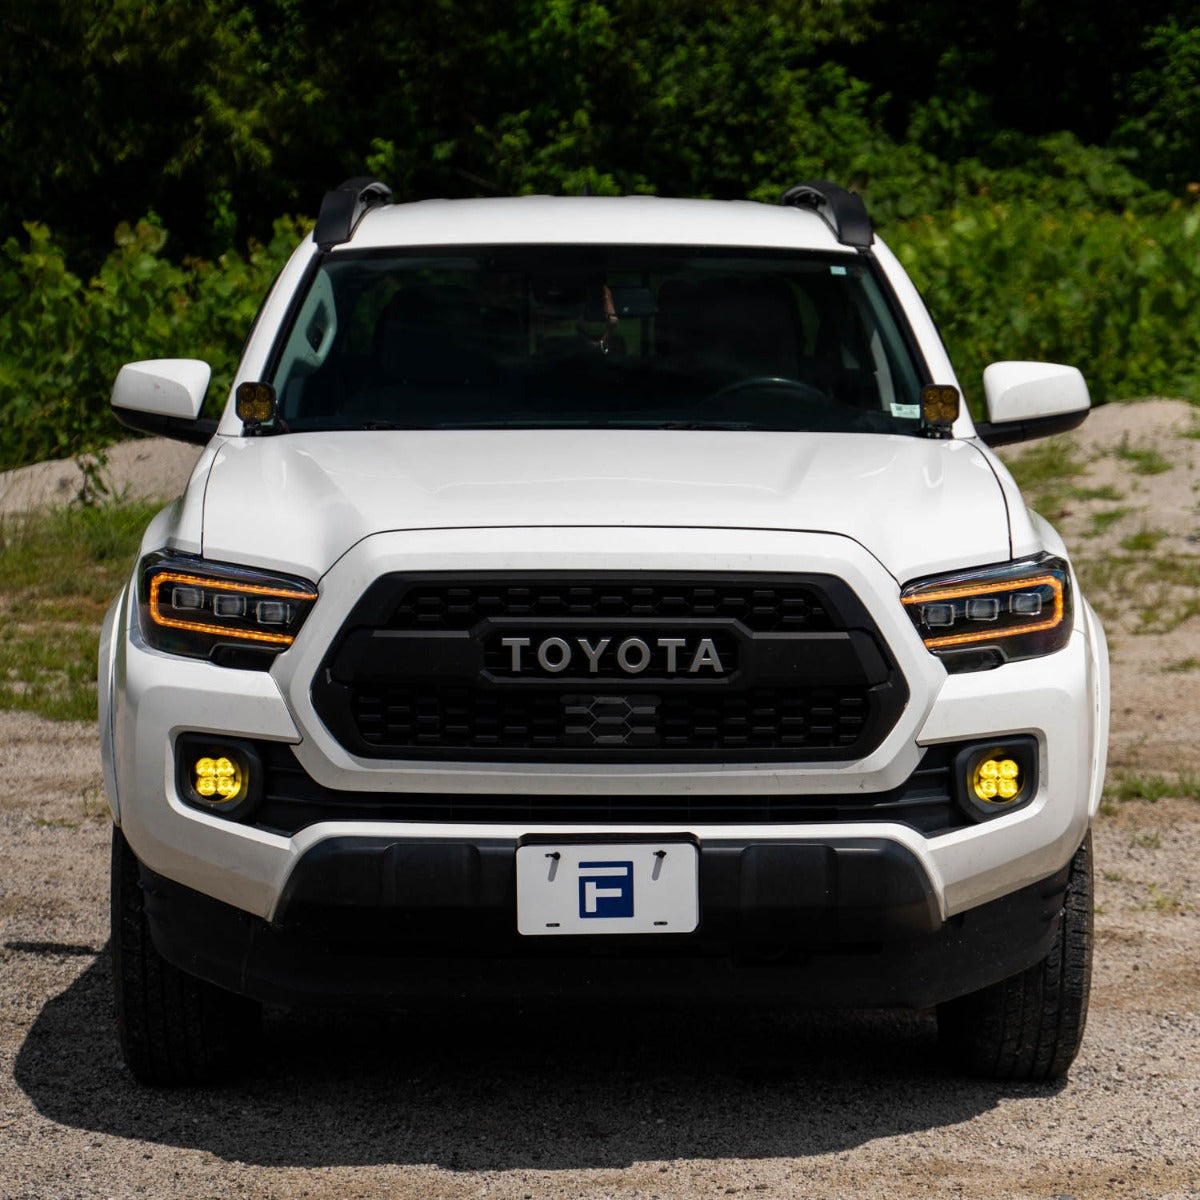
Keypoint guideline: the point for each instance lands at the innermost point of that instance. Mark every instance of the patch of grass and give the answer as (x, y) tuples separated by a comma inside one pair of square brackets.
[(1163, 902), (1101, 521), (1108, 576), (1044, 473), (1166, 611), (1145, 460), (1176, 570), (1182, 666), (59, 571), (1123, 787), (1151, 840), (1107, 492), (1161, 591), (1143, 541)]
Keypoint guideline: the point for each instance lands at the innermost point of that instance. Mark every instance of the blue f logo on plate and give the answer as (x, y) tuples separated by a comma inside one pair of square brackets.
[(605, 889)]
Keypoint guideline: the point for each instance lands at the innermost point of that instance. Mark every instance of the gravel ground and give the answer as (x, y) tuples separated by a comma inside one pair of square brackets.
[(668, 1103)]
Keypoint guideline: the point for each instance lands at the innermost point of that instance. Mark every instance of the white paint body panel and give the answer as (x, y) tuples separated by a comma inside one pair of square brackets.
[(297, 503), (1020, 391), (169, 387)]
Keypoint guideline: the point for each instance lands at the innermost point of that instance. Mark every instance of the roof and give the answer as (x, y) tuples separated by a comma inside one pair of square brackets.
[(576, 220)]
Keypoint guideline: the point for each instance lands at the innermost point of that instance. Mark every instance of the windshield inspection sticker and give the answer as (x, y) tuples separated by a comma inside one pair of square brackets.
[(907, 412)]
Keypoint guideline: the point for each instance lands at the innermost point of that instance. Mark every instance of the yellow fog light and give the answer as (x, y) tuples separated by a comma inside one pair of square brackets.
[(996, 779), (218, 777), (221, 778)]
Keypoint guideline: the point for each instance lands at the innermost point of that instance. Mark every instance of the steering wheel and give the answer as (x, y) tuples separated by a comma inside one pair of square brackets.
[(804, 392)]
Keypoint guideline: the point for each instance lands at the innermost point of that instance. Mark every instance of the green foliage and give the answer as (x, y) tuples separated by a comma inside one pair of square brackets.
[(1145, 460), (58, 573), (1144, 540), (1163, 106), (1113, 293), (62, 340), (1124, 787), (1028, 241)]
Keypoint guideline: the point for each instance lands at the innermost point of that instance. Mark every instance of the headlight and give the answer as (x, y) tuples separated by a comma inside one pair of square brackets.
[(211, 610), (974, 620)]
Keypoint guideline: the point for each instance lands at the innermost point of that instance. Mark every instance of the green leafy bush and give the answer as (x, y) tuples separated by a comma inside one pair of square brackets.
[(1114, 294), (63, 339)]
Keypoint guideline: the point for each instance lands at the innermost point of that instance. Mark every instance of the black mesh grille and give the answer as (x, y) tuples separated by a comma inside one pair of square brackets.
[(763, 609), (463, 718), (425, 667)]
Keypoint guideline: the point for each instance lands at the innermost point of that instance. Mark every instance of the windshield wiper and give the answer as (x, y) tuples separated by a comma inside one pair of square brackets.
[(704, 425)]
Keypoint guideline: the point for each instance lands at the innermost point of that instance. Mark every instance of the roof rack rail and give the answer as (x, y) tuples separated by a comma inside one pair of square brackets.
[(345, 206), (843, 211)]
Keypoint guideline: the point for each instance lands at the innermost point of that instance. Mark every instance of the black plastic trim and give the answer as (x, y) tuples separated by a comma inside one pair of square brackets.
[(1007, 433), (843, 211), (345, 206), (292, 801), (198, 432), (848, 922)]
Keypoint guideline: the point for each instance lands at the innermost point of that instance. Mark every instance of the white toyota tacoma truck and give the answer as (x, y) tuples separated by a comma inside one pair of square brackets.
[(600, 596)]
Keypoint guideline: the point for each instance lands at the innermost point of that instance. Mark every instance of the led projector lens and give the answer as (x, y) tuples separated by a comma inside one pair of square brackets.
[(997, 780), (218, 777)]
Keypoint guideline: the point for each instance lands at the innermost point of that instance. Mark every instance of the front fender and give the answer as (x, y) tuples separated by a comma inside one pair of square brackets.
[(111, 639)]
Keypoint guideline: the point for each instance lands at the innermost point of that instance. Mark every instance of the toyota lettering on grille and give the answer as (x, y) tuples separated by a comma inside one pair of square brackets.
[(631, 655)]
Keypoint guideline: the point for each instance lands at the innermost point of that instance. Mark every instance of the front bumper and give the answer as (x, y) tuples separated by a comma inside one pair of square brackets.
[(373, 920), (149, 699)]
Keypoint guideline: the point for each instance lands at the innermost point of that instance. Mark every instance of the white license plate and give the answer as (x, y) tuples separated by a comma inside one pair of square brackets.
[(608, 887)]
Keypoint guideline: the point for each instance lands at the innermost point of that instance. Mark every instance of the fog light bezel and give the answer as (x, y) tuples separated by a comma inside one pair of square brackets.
[(1022, 749), (190, 748)]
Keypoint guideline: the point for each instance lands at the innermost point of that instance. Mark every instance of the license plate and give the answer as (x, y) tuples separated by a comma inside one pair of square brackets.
[(607, 888)]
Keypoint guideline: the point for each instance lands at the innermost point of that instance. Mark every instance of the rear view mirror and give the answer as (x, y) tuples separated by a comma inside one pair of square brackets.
[(1028, 400), (164, 396), (633, 302)]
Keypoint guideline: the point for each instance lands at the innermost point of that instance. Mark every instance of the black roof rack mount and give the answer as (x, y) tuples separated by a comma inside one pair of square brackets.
[(345, 206), (843, 211)]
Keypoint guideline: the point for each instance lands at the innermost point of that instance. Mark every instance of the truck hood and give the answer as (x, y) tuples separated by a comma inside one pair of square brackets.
[(297, 502)]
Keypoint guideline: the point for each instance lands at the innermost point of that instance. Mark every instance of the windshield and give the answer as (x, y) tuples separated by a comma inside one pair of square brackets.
[(596, 336)]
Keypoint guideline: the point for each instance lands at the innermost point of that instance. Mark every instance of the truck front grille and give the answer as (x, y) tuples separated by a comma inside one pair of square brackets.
[(549, 668)]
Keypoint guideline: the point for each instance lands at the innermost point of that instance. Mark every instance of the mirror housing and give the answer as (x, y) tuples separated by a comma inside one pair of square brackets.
[(1027, 400), (163, 396)]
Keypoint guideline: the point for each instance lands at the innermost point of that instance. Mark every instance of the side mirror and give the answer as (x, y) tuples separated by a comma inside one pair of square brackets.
[(164, 396), (1027, 400)]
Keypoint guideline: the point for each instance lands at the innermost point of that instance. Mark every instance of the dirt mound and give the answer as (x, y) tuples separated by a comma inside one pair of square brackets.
[(145, 469)]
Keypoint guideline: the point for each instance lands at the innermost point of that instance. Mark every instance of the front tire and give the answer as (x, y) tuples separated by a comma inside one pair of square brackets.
[(174, 1029), (1030, 1025)]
